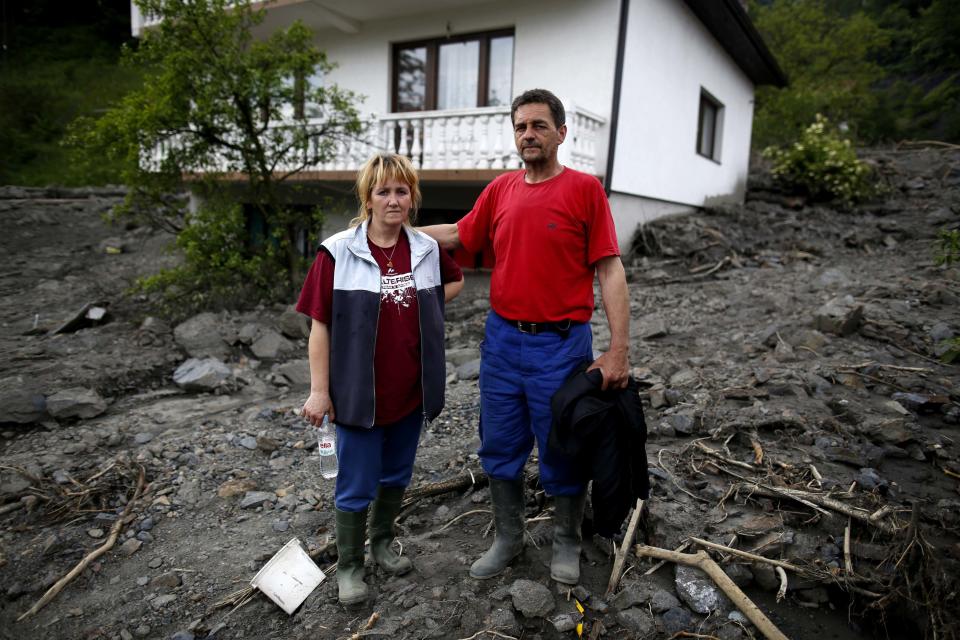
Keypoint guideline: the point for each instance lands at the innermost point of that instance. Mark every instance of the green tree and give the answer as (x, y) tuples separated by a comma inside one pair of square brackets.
[(829, 59), (217, 103)]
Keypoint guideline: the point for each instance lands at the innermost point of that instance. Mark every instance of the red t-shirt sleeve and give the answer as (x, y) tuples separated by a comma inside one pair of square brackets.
[(474, 228), (316, 297), (601, 232), (449, 269)]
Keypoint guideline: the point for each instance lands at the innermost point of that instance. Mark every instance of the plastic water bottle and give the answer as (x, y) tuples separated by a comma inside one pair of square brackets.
[(327, 443)]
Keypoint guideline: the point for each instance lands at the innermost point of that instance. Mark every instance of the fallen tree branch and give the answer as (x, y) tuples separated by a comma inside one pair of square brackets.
[(90, 557), (702, 561), (624, 548), (653, 569), (461, 482)]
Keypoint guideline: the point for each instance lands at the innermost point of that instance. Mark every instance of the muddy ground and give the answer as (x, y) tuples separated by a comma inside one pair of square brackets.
[(781, 346)]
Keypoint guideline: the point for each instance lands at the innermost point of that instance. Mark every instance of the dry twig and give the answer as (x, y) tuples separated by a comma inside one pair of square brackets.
[(90, 557), (702, 561), (624, 548)]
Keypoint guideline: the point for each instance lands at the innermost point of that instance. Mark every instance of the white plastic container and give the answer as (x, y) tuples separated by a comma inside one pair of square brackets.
[(288, 577)]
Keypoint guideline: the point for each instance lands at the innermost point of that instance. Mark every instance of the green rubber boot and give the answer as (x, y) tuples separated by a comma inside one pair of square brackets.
[(351, 534), (382, 517), (507, 498), (567, 517)]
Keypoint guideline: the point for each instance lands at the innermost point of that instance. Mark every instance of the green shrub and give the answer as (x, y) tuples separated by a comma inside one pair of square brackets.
[(948, 249), (821, 165), (218, 268)]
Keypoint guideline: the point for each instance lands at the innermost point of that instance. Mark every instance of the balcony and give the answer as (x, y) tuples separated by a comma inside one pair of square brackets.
[(472, 145)]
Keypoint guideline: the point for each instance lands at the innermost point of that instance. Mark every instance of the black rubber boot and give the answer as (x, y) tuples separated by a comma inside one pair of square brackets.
[(567, 517), (507, 498), (382, 517), (351, 534)]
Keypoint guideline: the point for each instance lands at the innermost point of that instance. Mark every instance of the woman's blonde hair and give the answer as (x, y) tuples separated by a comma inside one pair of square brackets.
[(380, 169)]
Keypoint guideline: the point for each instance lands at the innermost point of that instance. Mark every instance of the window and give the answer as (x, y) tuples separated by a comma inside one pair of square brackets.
[(709, 126), (453, 73)]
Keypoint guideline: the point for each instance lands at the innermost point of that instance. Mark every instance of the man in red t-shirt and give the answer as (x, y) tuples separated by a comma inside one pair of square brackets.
[(551, 231)]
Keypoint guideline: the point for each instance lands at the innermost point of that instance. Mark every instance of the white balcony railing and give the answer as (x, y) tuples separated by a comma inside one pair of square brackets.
[(461, 139)]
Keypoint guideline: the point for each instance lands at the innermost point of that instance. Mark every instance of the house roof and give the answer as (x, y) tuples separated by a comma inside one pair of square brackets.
[(731, 26)]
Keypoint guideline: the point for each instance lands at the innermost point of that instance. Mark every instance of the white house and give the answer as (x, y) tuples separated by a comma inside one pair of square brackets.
[(659, 93)]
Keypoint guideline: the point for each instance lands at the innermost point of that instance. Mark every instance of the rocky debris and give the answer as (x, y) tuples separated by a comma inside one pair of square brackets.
[(200, 337), (730, 359), (295, 372), (294, 324), (270, 345), (205, 374), (839, 316), (76, 403), (532, 599), (698, 591), (21, 401)]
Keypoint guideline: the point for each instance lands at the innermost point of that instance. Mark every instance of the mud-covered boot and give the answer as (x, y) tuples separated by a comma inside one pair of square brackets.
[(567, 517), (382, 517), (351, 534), (507, 498)]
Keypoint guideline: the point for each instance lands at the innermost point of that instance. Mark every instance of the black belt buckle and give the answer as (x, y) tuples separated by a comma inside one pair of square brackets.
[(535, 328), (528, 327)]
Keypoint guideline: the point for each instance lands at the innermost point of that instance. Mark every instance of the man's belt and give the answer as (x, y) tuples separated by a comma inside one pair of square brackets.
[(533, 328)]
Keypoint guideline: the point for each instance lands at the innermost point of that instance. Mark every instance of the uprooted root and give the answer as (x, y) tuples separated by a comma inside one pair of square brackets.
[(924, 585), (102, 490)]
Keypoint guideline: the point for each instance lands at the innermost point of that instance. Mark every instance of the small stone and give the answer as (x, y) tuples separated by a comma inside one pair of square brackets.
[(95, 533), (202, 375), (267, 444), (142, 631), (638, 621), (248, 442), (168, 580), (532, 599), (840, 316), (565, 622), (255, 499), (677, 620), (662, 600), (76, 402), (156, 563), (125, 635), (146, 524), (469, 370), (182, 635), (143, 581), (698, 591), (281, 526), (235, 487), (143, 437), (130, 547), (161, 601)]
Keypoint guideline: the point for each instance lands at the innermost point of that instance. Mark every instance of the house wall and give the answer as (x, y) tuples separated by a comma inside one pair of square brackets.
[(567, 46), (668, 57)]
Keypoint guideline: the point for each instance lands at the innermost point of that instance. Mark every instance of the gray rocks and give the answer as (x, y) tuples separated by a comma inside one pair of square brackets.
[(201, 375), (532, 599), (21, 402), (296, 372), (638, 621), (698, 591), (270, 344), (76, 402), (663, 600), (200, 336), (255, 499), (294, 324), (678, 619), (839, 316), (469, 370)]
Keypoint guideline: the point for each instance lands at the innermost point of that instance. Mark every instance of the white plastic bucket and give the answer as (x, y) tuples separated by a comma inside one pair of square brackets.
[(288, 577)]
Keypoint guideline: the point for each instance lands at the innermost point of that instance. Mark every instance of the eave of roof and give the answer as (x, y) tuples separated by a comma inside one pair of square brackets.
[(727, 21)]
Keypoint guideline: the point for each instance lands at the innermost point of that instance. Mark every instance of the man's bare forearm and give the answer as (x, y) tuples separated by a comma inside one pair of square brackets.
[(616, 301), (446, 235)]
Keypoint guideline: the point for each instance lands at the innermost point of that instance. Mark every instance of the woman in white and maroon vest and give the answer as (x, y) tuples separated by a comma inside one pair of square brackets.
[(376, 295)]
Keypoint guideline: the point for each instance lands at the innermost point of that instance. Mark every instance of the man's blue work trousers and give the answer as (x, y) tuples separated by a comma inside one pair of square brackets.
[(369, 458), (519, 373)]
